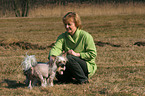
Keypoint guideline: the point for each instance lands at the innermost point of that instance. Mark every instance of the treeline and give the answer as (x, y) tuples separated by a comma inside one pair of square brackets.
[(65, 2), (86, 1), (21, 7)]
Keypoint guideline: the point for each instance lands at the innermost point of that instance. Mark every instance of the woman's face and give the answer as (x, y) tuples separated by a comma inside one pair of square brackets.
[(70, 26)]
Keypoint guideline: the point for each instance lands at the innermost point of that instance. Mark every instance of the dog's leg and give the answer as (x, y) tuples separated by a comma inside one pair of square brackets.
[(51, 79), (48, 81), (43, 81), (27, 81), (30, 78), (38, 73), (30, 86)]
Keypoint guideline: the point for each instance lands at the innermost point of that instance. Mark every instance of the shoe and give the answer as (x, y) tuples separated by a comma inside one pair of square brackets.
[(83, 82)]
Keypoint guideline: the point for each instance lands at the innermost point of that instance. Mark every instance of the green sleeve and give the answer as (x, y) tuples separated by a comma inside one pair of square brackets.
[(90, 49)]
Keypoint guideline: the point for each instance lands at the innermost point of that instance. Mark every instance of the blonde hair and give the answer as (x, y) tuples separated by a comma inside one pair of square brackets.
[(75, 17)]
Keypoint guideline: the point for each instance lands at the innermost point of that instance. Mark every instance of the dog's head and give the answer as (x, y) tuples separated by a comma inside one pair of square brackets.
[(60, 61)]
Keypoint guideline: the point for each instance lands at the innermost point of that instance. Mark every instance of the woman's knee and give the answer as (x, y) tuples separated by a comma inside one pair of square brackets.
[(71, 61), (69, 57)]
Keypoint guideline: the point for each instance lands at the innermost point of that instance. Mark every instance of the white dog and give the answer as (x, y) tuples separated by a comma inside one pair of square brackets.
[(45, 72)]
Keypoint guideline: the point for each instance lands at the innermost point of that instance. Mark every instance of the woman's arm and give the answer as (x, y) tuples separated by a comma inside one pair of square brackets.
[(90, 49)]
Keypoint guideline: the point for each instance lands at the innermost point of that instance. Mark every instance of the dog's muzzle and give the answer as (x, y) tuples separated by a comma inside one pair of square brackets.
[(61, 68)]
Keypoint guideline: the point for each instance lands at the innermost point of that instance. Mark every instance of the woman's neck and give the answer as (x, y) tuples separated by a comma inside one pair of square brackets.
[(73, 33)]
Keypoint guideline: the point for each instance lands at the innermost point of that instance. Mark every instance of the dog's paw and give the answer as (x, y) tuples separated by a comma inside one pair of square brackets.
[(43, 85), (30, 87), (51, 85)]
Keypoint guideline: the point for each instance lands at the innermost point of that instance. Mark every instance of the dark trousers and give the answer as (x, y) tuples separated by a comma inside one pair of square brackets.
[(75, 68)]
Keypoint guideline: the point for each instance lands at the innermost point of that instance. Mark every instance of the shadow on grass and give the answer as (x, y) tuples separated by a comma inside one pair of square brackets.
[(102, 44), (13, 83), (7, 83)]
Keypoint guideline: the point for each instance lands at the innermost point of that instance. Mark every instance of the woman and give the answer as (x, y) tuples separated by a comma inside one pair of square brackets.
[(80, 48)]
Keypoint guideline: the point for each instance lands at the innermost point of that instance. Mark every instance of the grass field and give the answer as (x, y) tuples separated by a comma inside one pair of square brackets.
[(121, 69)]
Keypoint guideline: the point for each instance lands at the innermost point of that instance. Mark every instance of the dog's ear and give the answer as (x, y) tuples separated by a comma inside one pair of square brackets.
[(64, 54), (52, 60)]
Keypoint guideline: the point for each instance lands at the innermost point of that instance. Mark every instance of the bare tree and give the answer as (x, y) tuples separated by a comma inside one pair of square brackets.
[(21, 8), (25, 7)]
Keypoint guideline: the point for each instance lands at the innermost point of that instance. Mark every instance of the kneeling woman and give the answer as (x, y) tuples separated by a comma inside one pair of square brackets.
[(80, 48)]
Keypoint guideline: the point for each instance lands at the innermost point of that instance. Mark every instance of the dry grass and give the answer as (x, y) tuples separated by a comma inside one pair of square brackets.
[(89, 9), (83, 10), (120, 69)]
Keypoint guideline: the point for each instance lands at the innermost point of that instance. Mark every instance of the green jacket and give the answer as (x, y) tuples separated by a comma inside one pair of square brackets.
[(81, 42)]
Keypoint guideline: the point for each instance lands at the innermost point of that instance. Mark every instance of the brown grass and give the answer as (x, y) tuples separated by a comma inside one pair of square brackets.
[(89, 9), (84, 9), (120, 69)]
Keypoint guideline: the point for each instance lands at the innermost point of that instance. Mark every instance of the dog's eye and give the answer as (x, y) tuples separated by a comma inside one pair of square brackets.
[(59, 62), (64, 62), (61, 65)]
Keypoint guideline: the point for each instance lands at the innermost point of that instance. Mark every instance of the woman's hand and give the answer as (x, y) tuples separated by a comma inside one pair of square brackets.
[(71, 52)]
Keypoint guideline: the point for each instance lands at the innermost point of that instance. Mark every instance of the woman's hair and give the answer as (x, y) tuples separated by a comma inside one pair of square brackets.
[(75, 17)]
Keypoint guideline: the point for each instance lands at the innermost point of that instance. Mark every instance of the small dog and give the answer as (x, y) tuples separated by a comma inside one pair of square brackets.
[(45, 72)]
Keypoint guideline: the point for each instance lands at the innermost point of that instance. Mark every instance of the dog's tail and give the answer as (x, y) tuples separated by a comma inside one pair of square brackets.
[(29, 61)]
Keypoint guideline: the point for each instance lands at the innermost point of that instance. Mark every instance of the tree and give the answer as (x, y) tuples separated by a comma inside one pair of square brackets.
[(21, 8)]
